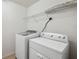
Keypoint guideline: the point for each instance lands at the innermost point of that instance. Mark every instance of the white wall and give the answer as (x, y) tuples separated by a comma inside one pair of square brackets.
[(64, 22), (12, 22)]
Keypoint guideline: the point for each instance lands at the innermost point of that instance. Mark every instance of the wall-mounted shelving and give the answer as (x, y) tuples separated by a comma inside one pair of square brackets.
[(62, 6), (56, 8), (36, 15)]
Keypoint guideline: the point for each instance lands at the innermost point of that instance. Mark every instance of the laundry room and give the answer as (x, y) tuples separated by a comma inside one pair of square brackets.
[(39, 29)]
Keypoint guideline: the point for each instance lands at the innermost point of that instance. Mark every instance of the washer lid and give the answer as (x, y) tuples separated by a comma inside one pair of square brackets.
[(28, 32), (50, 44)]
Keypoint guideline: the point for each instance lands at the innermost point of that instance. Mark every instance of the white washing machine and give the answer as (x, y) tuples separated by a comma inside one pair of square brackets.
[(22, 43), (49, 46)]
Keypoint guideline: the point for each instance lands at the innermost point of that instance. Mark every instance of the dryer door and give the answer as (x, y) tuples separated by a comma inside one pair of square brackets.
[(35, 55)]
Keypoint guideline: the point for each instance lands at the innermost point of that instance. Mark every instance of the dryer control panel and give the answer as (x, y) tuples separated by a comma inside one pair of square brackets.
[(55, 36)]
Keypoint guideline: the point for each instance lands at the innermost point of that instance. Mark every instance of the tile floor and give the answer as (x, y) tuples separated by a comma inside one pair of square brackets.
[(10, 57)]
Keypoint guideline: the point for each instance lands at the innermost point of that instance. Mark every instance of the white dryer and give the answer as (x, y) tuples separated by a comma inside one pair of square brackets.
[(49, 46), (22, 43)]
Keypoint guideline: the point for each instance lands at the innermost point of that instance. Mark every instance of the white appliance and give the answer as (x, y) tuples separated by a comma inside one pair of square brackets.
[(22, 43), (49, 46)]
